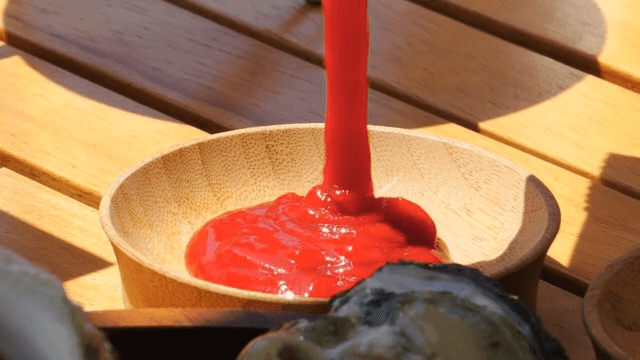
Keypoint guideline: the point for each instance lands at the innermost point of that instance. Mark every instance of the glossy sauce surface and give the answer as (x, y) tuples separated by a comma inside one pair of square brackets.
[(302, 246), (339, 233)]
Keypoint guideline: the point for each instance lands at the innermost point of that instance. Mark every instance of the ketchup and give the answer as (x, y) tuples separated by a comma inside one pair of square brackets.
[(339, 233)]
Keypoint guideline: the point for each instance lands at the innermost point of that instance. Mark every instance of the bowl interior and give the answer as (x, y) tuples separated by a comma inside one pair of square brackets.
[(492, 214)]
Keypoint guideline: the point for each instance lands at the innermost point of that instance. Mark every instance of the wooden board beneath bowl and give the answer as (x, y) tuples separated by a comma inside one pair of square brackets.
[(140, 331)]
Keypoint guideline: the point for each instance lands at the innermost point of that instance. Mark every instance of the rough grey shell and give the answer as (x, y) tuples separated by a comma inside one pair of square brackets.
[(415, 311), (37, 321)]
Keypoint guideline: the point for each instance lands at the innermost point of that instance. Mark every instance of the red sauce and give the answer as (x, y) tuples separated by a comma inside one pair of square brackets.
[(339, 233)]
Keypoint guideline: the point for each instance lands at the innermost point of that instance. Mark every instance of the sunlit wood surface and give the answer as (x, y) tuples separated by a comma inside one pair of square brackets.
[(88, 89)]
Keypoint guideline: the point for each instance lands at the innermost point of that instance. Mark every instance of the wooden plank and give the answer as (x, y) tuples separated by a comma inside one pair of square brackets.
[(62, 236), (561, 316), (597, 222), (559, 312), (191, 317), (595, 36), (65, 132), (153, 333), (512, 94), (200, 67)]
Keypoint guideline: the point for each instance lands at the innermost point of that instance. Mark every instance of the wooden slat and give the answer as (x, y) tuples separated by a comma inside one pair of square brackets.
[(559, 312), (597, 36), (62, 236), (153, 333), (598, 223), (66, 132), (561, 316), (509, 93), (192, 317)]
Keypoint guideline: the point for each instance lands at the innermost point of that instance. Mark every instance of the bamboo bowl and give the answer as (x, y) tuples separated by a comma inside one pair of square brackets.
[(611, 311), (493, 215)]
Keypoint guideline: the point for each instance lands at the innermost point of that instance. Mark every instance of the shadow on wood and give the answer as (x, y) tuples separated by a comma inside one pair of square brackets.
[(47, 251)]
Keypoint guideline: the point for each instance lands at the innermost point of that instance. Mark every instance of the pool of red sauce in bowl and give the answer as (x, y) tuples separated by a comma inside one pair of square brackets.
[(303, 246), (339, 233)]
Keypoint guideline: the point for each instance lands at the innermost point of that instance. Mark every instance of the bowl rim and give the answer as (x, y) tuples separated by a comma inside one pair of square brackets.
[(105, 209), (590, 310)]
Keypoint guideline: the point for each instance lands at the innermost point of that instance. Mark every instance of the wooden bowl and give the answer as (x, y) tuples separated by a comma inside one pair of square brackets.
[(611, 309), (492, 214)]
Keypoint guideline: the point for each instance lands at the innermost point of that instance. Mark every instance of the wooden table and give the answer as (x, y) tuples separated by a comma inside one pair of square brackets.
[(89, 88)]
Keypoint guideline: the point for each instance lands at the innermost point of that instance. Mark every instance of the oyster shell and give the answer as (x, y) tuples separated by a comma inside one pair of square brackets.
[(37, 319), (415, 311)]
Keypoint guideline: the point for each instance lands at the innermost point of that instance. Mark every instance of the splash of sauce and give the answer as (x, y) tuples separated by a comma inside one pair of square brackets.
[(339, 233)]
